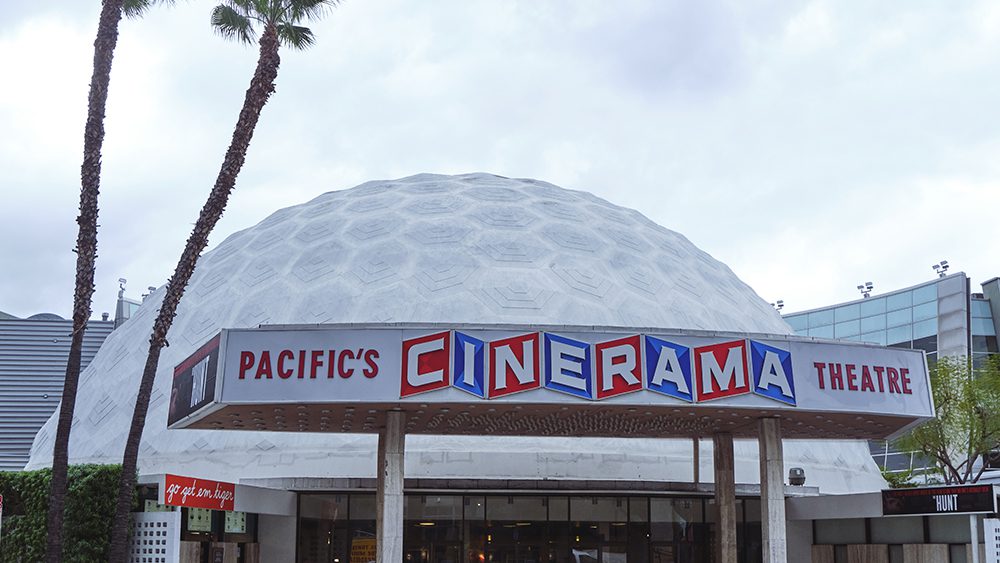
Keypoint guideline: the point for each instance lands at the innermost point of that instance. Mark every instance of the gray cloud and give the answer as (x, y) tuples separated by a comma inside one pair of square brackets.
[(807, 145)]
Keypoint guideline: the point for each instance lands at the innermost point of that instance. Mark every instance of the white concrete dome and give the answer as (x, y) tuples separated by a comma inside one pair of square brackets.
[(474, 248)]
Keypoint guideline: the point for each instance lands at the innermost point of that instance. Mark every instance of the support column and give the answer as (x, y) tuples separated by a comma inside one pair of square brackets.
[(725, 497), (696, 459), (974, 536), (389, 490), (772, 492)]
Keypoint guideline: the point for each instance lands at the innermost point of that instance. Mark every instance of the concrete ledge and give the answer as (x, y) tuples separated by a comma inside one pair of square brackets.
[(318, 484)]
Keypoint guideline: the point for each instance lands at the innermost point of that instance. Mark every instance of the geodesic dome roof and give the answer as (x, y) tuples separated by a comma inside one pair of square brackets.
[(473, 248)]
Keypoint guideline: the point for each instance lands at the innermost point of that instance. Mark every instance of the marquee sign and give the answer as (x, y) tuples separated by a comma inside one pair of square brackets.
[(489, 370), (192, 492), (955, 499), (564, 366)]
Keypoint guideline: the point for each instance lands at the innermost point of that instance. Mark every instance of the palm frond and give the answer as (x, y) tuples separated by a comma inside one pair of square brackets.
[(299, 10), (138, 8), (245, 7), (231, 24), (296, 36), (269, 10)]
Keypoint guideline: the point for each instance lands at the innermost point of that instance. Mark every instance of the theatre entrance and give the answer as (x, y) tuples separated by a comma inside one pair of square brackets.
[(572, 382), (521, 528)]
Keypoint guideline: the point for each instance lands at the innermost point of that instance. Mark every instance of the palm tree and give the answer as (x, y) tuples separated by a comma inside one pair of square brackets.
[(233, 19), (86, 252)]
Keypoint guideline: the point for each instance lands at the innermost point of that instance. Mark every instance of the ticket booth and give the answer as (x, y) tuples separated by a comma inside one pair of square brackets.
[(184, 519)]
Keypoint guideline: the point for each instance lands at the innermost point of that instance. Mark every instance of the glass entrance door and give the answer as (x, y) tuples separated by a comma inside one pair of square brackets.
[(679, 552), (447, 553), (604, 554), (440, 552), (515, 553)]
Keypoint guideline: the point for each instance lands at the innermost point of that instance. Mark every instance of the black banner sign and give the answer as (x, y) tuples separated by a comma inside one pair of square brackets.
[(194, 382), (958, 499)]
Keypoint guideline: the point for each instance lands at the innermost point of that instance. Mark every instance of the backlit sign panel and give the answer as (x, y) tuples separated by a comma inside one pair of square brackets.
[(956, 499), (562, 366), (192, 492)]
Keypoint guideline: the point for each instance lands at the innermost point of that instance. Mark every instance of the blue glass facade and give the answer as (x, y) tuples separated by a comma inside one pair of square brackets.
[(982, 326), (933, 317), (905, 319)]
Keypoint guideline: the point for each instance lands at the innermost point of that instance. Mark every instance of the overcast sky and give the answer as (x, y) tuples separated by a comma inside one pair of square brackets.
[(811, 146)]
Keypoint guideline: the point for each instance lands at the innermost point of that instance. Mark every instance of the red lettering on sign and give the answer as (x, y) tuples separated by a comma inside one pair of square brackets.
[(836, 376), (893, 376), (889, 379), (198, 493), (851, 377), (879, 370), (316, 362), (303, 364), (345, 372), (866, 380), (264, 367), (372, 369), (246, 362), (282, 356)]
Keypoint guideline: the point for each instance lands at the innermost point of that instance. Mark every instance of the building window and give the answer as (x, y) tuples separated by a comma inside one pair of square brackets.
[(899, 318), (871, 307), (847, 329), (821, 318), (821, 331), (925, 294), (847, 313), (799, 323), (983, 327), (925, 311), (899, 301)]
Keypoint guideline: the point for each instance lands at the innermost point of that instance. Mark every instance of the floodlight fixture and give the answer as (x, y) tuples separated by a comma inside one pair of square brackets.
[(941, 268), (866, 289)]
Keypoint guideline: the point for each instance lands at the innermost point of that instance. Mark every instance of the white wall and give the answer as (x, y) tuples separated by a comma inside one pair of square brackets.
[(276, 535), (799, 539), (865, 505)]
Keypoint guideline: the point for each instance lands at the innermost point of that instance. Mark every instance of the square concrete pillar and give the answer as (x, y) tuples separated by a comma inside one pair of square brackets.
[(389, 490), (725, 497), (772, 491)]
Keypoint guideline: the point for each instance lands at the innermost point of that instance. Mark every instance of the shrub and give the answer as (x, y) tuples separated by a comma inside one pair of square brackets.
[(90, 507)]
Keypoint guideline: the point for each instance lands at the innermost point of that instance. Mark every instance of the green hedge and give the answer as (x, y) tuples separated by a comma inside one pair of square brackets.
[(90, 507)]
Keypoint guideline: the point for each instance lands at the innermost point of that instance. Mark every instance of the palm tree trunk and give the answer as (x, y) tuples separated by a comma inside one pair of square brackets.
[(86, 254), (261, 88)]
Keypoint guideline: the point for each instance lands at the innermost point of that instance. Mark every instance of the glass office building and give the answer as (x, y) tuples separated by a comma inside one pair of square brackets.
[(943, 317)]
